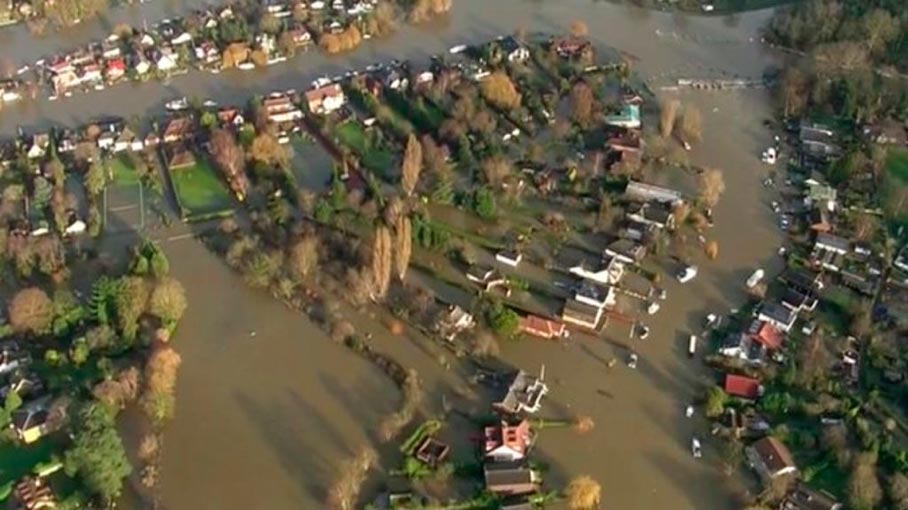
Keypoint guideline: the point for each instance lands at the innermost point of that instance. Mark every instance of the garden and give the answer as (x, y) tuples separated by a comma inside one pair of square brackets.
[(199, 192)]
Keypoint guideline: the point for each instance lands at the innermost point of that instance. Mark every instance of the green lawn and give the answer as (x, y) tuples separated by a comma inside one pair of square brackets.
[(124, 172), (17, 461), (353, 136), (895, 187), (200, 192)]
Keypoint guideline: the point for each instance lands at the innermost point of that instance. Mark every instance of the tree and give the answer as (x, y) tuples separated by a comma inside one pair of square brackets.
[(582, 101), (424, 10), (234, 54), (158, 401), (583, 493), (115, 393), (579, 29), (131, 301), (712, 185), (500, 91), (864, 491), (168, 300), (404, 250), (266, 150), (866, 226), (69, 12), (95, 179), (504, 321), (496, 169), (795, 91), (303, 259), (31, 311), (691, 128), (716, 399), (412, 165), (897, 490), (879, 28), (97, 454), (381, 260), (712, 250), (484, 203), (231, 159), (667, 116)]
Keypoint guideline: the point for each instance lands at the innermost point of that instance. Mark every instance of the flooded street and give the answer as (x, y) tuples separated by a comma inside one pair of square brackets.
[(262, 421)]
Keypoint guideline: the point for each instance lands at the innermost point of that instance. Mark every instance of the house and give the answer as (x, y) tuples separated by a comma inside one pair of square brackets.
[(803, 280), (33, 493), (625, 148), (798, 300), (628, 117), (300, 37), (166, 59), (609, 271), (820, 195), (39, 145), (280, 109), (831, 243), (513, 50), (770, 459), (207, 53), (30, 421), (626, 251), (818, 141), (887, 132), (859, 281), (115, 68), (778, 315), (594, 294), (152, 140), (742, 346), (11, 357), (506, 442), (803, 497), (766, 334), (642, 192), (482, 274), (326, 99), (524, 394), (509, 257), (656, 214), (91, 73), (510, 478), (432, 451), (11, 90), (454, 321), (126, 140), (818, 220), (582, 314), (743, 387), (541, 327), (392, 78), (177, 130)]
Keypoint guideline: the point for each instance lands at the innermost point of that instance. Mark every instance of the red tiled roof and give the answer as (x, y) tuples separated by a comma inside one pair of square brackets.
[(516, 437), (768, 335), (740, 386), (541, 327)]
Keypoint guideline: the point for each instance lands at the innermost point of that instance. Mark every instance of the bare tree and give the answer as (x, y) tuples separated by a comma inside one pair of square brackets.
[(795, 90), (667, 117), (879, 28), (303, 259), (266, 149), (344, 494), (412, 165), (160, 383), (582, 101), (496, 169), (381, 260), (583, 493), (712, 186), (691, 128), (499, 90), (231, 159), (31, 311), (864, 489), (404, 245), (168, 300), (579, 29)]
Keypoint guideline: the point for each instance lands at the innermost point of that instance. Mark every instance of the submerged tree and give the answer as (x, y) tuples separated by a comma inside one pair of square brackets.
[(583, 493), (712, 186), (404, 249), (412, 165), (382, 257), (667, 117), (691, 125), (231, 159)]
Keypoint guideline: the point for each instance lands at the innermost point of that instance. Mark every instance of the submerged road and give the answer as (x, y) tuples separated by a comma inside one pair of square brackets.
[(263, 423)]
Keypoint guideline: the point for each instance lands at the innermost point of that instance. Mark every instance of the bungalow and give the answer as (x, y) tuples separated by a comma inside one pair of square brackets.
[(778, 315), (326, 99), (483, 275), (542, 328), (743, 346), (166, 59), (454, 321), (510, 478), (207, 53), (582, 314), (115, 68), (524, 394), (177, 130), (127, 141), (39, 145), (818, 141), (152, 140), (32, 493), (230, 116), (141, 65), (507, 443), (766, 335), (64, 81), (280, 109), (509, 257), (770, 458), (628, 117), (832, 243), (626, 251), (513, 50), (860, 281), (609, 271), (798, 300), (392, 78), (90, 73), (642, 192), (570, 47), (654, 213), (110, 47), (628, 146), (743, 387), (300, 37), (803, 497)]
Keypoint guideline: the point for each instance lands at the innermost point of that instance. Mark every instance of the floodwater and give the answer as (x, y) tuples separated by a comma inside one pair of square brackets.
[(262, 421)]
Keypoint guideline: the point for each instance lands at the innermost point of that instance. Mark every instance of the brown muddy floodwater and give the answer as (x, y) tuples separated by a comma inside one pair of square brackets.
[(262, 421)]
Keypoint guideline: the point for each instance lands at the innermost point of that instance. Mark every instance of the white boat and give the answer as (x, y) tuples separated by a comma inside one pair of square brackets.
[(632, 361), (246, 66), (692, 345), (755, 278), (687, 274), (642, 332), (176, 105), (460, 48), (689, 411), (695, 448), (653, 308)]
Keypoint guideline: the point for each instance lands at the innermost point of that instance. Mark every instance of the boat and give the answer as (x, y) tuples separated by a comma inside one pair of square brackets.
[(457, 49), (176, 105), (689, 411), (246, 66), (692, 346), (210, 103), (755, 278), (643, 332), (653, 308), (687, 274), (695, 448), (632, 361)]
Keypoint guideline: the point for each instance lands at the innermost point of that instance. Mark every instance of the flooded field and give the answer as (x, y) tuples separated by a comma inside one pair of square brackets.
[(267, 406)]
